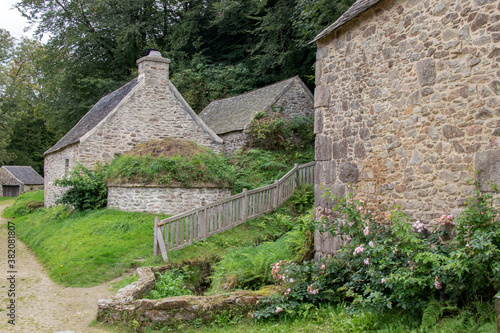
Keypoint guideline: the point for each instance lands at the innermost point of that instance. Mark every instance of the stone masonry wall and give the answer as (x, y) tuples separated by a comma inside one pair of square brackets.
[(55, 168), (162, 199), (296, 101), (407, 105), (233, 141)]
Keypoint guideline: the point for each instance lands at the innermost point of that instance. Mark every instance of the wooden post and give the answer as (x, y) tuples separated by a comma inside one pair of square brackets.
[(497, 308), (161, 243), (245, 206), (203, 220), (155, 244), (276, 194)]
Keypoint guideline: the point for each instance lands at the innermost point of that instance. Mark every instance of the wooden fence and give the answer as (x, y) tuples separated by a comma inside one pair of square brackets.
[(181, 230)]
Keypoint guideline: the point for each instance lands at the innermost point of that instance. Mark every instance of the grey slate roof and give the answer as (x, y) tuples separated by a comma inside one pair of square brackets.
[(357, 9), (100, 110), (234, 113), (25, 174)]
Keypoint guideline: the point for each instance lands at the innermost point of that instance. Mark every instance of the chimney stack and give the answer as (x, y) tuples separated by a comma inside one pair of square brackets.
[(153, 69)]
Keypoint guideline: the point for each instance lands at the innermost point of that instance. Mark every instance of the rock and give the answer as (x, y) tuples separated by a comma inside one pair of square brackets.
[(451, 132), (349, 172), (426, 72), (487, 167)]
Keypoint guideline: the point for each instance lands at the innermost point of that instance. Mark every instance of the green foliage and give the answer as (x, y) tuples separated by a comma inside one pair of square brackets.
[(206, 167), (115, 286), (83, 249), (85, 189), (390, 263), (24, 204), (256, 167), (169, 284), (303, 198), (205, 83)]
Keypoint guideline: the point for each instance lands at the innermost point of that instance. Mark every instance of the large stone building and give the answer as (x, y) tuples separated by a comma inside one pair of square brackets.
[(407, 105), (229, 117), (16, 180), (145, 109)]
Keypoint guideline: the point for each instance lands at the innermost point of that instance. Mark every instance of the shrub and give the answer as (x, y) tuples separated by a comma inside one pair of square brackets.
[(84, 188), (169, 284), (392, 262)]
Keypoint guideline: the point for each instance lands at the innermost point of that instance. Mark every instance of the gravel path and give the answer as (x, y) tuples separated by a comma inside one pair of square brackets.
[(41, 304)]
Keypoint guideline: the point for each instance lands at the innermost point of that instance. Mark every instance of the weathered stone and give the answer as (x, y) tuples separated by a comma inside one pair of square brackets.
[(458, 147), (495, 53), (359, 150), (321, 96), (323, 148), (426, 72), (349, 172), (479, 21), (318, 121), (340, 149), (441, 8), (364, 132), (473, 148), (483, 2), (451, 132), (416, 158), (496, 132), (487, 167), (326, 172)]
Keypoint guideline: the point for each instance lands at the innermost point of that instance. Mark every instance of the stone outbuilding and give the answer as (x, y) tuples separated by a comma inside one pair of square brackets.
[(407, 105), (147, 108), (229, 117), (16, 180)]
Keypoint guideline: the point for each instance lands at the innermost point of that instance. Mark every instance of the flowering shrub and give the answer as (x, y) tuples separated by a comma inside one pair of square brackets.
[(394, 262)]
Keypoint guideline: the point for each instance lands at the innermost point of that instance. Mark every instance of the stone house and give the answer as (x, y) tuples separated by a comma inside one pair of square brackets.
[(229, 117), (16, 180), (407, 105), (147, 108)]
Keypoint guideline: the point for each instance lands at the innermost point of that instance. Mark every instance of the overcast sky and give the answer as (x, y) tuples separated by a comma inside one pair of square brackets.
[(11, 19)]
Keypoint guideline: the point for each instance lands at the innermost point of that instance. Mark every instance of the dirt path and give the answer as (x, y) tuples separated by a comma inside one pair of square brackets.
[(42, 305)]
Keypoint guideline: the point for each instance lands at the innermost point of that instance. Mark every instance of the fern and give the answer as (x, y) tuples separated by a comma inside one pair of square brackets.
[(432, 313)]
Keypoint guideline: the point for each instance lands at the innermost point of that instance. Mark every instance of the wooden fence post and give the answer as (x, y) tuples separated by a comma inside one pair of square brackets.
[(497, 308), (276, 194), (245, 206), (155, 244), (203, 220)]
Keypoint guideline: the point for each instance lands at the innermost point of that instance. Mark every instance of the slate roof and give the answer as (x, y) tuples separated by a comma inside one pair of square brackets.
[(234, 113), (25, 174), (100, 110), (355, 10)]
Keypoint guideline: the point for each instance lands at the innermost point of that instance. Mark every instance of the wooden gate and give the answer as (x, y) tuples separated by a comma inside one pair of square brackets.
[(11, 190)]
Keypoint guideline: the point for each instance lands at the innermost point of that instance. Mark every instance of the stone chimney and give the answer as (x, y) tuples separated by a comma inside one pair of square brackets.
[(153, 69)]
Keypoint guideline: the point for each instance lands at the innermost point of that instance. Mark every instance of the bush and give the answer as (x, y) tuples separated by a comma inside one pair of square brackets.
[(169, 284), (84, 188), (270, 131), (390, 262)]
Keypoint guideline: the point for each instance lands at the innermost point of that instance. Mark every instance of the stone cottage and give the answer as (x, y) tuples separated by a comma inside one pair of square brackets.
[(16, 180), (407, 105), (229, 117), (147, 108)]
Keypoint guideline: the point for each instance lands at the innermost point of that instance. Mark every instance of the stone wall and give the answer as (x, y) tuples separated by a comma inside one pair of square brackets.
[(56, 166), (298, 100), (233, 141), (162, 199), (128, 304), (407, 105)]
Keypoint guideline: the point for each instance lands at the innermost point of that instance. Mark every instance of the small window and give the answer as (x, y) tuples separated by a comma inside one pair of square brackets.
[(66, 167)]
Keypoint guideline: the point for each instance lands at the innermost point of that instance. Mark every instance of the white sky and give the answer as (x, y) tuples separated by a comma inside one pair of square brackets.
[(11, 20)]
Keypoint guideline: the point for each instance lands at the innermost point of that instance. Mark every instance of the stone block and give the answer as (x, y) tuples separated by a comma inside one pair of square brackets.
[(323, 148), (426, 72), (487, 167), (322, 96), (451, 132), (340, 149), (359, 150), (364, 132), (318, 121), (349, 173), (326, 172)]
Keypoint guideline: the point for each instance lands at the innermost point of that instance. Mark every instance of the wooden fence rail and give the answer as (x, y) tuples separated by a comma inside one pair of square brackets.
[(181, 230)]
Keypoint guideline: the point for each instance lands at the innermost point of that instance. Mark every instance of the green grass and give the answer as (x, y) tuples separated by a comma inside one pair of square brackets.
[(115, 286), (330, 318), (24, 204), (84, 249)]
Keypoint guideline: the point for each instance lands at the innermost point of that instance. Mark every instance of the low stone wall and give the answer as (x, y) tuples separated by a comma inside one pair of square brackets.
[(127, 305), (162, 199)]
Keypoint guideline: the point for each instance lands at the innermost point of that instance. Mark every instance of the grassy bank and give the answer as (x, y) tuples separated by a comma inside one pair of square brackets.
[(82, 249)]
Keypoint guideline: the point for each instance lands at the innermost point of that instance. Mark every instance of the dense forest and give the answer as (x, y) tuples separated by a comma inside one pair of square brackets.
[(218, 48)]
